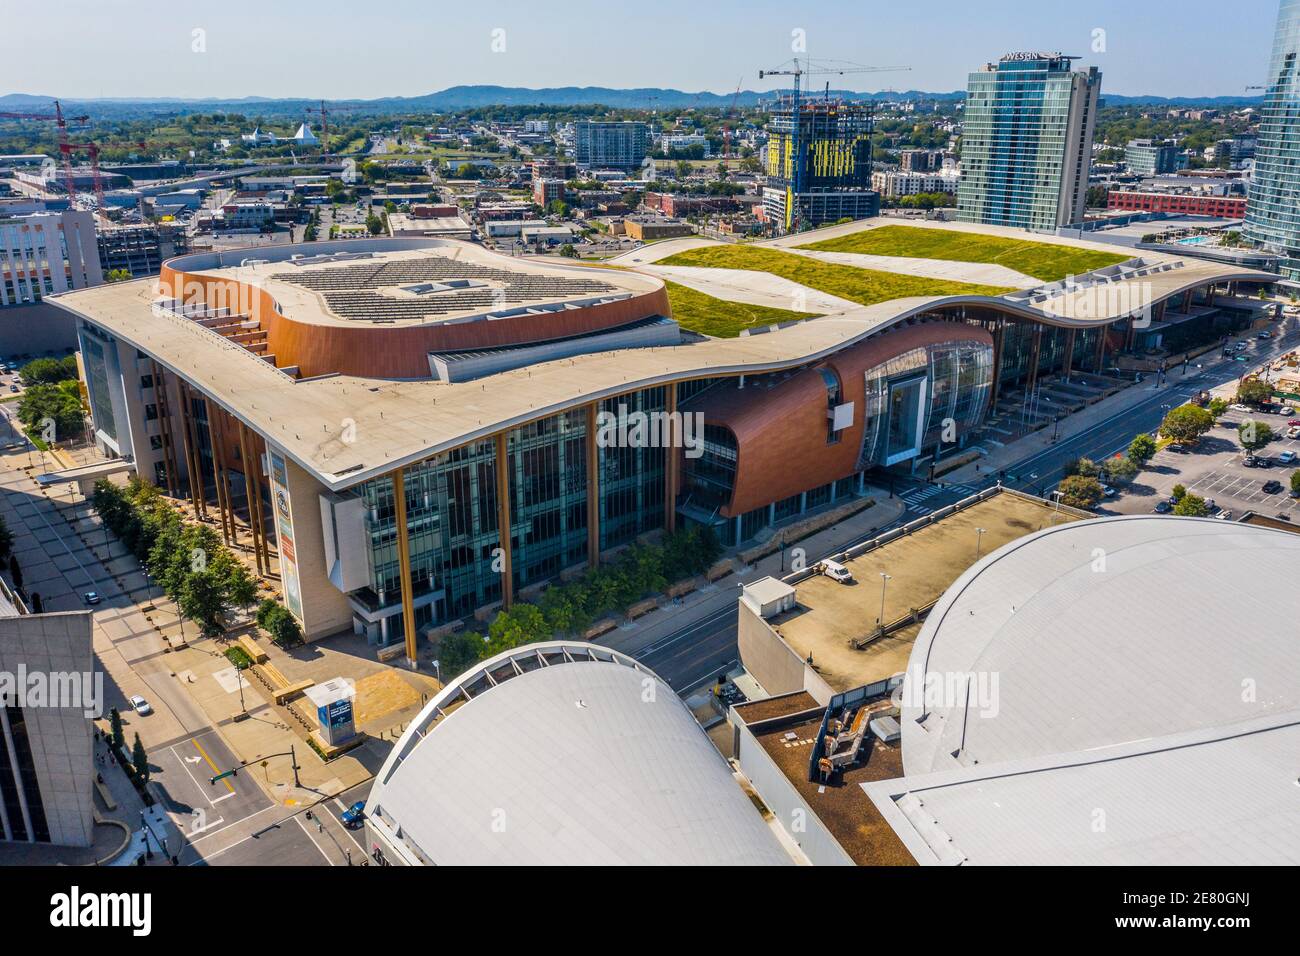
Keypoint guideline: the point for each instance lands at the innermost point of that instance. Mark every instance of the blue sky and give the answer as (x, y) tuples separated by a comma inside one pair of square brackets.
[(403, 47)]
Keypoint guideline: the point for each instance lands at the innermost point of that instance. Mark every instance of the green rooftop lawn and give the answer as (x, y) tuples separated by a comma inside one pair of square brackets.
[(864, 286), (721, 319), (1037, 259)]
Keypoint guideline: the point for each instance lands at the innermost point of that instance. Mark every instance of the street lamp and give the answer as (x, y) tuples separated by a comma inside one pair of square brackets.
[(1057, 495), (884, 579), (979, 539)]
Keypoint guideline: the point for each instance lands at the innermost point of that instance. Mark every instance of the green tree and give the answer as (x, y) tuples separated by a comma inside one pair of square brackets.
[(1191, 506), (1080, 491), (1082, 466), (1186, 423), (1141, 449), (1218, 406), (558, 207), (140, 759), (1254, 435), (522, 624), (458, 652), (60, 403), (374, 225), (117, 275), (1179, 492), (115, 729), (1254, 392), (1295, 481), (48, 371), (1119, 468), (285, 629)]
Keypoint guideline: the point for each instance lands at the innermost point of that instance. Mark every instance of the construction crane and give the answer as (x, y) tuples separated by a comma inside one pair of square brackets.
[(92, 150), (61, 122), (799, 70), (324, 128), (726, 125)]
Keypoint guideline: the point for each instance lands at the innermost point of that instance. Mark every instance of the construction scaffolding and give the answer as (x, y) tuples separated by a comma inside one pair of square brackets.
[(819, 162)]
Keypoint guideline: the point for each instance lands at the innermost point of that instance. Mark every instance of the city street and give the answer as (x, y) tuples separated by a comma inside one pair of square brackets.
[(702, 649)]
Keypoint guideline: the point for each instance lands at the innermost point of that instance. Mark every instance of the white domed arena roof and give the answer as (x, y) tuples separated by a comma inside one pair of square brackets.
[(1122, 690), (564, 754)]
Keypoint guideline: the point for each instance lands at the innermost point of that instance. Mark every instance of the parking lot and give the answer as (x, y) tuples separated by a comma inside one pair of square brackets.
[(1214, 469)]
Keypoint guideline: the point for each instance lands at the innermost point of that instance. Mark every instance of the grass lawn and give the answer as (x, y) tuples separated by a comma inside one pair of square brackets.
[(724, 320), (1037, 259), (864, 286)]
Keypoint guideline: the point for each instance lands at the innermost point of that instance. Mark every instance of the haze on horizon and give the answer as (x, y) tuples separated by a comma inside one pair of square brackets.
[(149, 48)]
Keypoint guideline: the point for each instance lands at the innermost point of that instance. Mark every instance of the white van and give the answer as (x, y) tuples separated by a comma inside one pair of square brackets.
[(836, 571)]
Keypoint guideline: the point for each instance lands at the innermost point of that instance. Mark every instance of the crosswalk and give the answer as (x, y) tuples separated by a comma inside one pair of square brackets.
[(916, 497)]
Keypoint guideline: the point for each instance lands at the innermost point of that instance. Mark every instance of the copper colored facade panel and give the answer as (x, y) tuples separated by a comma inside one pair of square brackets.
[(780, 431), (401, 352)]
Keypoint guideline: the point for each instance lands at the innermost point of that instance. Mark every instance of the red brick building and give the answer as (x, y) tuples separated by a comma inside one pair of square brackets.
[(1189, 204)]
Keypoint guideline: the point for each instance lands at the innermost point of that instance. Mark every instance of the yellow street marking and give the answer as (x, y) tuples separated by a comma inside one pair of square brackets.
[(204, 754)]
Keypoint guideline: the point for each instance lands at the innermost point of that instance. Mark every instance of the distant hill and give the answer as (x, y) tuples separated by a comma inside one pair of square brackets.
[(477, 96)]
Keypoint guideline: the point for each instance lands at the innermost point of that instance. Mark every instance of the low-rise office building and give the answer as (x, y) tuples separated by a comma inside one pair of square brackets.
[(418, 428)]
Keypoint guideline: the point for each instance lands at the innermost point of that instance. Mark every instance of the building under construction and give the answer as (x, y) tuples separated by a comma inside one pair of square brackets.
[(819, 170)]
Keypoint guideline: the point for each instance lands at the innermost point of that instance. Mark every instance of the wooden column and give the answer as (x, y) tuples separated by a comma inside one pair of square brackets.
[(1069, 355), (672, 459), (593, 490), (216, 424), (252, 490), (503, 521), (1101, 347), (404, 564), (194, 472)]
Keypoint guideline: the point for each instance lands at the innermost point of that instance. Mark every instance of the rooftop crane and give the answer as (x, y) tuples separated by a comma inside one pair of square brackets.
[(798, 70)]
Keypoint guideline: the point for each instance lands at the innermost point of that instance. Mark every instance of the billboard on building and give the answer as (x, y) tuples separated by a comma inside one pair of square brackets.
[(284, 533)]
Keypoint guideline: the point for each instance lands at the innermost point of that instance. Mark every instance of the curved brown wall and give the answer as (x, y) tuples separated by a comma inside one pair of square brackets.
[(780, 431), (373, 351)]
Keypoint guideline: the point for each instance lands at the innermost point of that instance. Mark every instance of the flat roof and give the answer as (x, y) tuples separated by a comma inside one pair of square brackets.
[(829, 616), (844, 808), (1113, 668), (399, 422)]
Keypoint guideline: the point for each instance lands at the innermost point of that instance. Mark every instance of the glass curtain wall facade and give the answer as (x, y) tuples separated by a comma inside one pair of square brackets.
[(1027, 142), (1273, 201), (452, 513), (909, 397), (631, 475)]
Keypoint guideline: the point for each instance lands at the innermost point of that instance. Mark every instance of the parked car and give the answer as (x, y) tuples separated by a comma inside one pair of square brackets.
[(1271, 487), (140, 706), (1163, 507), (1175, 447), (353, 815), (1224, 515), (91, 597), (1108, 492), (1286, 457), (836, 571)]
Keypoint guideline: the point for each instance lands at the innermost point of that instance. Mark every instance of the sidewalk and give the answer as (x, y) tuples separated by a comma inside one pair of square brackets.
[(1015, 452), (720, 596)]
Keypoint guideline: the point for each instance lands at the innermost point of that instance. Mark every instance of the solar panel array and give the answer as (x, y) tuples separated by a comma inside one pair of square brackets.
[(350, 291)]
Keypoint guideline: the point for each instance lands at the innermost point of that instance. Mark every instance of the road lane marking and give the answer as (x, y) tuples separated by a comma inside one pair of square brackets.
[(215, 770)]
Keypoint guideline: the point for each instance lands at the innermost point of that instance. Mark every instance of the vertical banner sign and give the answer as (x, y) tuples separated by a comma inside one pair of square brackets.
[(284, 534)]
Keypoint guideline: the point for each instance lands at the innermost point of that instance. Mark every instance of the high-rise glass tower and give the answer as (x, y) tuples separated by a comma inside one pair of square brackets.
[(1027, 142), (1273, 204)]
